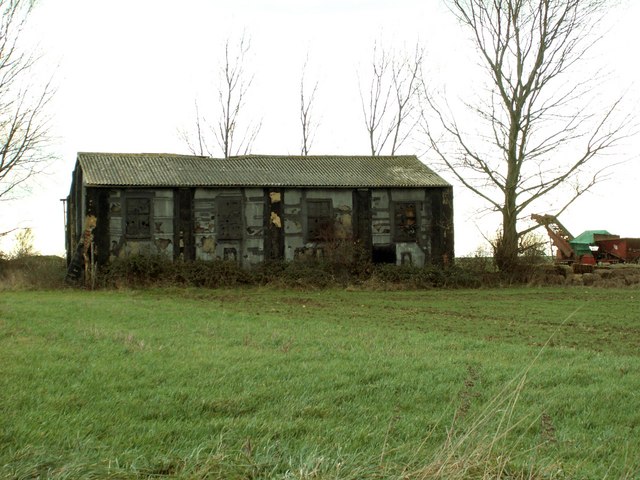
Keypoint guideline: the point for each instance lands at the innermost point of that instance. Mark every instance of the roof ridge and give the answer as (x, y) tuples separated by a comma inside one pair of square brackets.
[(144, 154), (250, 155), (325, 155)]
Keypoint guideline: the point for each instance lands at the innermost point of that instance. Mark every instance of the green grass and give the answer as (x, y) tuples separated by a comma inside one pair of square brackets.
[(262, 383)]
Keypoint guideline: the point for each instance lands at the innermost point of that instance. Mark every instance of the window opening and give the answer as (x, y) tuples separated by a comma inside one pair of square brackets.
[(405, 222), (229, 218), (138, 217), (319, 220)]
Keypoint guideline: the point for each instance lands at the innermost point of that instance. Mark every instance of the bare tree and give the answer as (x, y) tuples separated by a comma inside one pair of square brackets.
[(530, 132), (391, 100), (374, 108), (24, 134), (235, 82), (306, 113)]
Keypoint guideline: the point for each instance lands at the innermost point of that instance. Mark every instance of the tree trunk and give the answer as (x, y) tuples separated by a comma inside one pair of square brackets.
[(506, 248), (506, 254)]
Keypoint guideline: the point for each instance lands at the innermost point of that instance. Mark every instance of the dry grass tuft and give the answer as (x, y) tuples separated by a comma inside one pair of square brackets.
[(32, 272)]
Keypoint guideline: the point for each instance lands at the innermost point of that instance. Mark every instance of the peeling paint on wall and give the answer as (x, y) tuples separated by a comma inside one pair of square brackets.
[(162, 244), (293, 227), (343, 228), (275, 220), (381, 227), (208, 245), (409, 254), (204, 227), (255, 231), (275, 197)]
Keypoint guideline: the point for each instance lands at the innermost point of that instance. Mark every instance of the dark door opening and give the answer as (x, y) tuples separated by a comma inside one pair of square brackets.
[(184, 238), (362, 221), (384, 254)]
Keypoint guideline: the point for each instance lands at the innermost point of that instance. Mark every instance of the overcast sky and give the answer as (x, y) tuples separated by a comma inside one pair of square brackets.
[(129, 71)]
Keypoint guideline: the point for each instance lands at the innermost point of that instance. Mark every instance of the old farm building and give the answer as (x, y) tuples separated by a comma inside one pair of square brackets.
[(255, 208)]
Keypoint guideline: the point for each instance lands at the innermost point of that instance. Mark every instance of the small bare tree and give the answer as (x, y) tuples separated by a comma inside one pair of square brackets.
[(24, 126), (306, 113), (235, 82), (23, 245), (390, 106), (530, 132)]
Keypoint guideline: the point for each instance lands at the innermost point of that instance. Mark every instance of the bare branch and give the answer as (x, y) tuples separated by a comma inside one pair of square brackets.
[(197, 146), (24, 125), (375, 107), (389, 106), (234, 84), (406, 85), (2, 234), (535, 114), (306, 113)]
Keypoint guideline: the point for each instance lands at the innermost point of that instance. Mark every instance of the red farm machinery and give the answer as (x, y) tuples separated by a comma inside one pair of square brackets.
[(590, 247)]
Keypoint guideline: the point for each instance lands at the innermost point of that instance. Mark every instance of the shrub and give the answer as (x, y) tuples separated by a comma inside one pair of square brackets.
[(424, 278), (217, 273), (135, 271), (310, 274), (145, 270), (24, 244)]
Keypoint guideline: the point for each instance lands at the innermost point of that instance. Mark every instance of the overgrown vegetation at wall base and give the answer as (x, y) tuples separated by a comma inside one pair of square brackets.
[(520, 383), (138, 271), (148, 271), (144, 271), (39, 272)]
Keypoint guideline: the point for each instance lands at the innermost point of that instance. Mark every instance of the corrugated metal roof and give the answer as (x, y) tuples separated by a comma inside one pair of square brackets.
[(153, 169)]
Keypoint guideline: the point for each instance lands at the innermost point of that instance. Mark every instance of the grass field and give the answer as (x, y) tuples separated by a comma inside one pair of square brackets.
[(263, 383)]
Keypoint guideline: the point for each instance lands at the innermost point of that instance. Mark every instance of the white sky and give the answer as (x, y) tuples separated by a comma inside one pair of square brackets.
[(128, 73)]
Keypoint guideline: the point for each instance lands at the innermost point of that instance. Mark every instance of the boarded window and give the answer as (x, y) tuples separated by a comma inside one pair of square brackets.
[(319, 220), (405, 221), (229, 224), (138, 217)]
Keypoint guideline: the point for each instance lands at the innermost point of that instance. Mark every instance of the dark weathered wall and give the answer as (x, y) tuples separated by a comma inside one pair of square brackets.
[(160, 239), (441, 230), (296, 216), (433, 239), (273, 224), (251, 225), (216, 224), (97, 204), (76, 210)]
